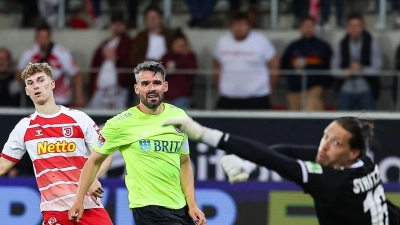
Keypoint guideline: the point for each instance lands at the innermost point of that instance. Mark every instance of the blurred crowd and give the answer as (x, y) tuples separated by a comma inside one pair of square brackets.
[(245, 62)]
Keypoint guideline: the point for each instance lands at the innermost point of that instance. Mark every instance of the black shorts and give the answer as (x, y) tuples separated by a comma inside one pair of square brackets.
[(152, 214)]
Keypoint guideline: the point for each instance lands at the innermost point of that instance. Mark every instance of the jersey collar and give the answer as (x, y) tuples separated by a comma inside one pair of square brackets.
[(357, 164)]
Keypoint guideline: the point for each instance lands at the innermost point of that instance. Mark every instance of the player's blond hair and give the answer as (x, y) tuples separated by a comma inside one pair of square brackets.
[(33, 68)]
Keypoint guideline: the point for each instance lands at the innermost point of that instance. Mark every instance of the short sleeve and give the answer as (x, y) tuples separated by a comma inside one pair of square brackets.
[(184, 150), (108, 140), (91, 132), (67, 62), (15, 147), (268, 50), (322, 183)]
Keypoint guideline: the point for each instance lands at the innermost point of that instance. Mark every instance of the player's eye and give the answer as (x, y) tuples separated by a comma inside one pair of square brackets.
[(335, 142)]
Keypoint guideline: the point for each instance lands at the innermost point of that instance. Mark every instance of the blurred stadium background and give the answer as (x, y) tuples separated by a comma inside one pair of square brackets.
[(267, 198)]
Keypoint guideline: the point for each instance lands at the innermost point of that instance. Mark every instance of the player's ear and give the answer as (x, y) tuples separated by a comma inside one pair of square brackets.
[(53, 84), (354, 154), (165, 86), (136, 89), (26, 91)]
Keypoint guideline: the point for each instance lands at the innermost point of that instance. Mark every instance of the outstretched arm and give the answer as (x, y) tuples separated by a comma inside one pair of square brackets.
[(302, 152), (262, 155), (239, 170), (245, 148)]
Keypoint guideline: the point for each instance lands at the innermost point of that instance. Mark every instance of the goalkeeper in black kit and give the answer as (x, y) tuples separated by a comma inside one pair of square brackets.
[(344, 183)]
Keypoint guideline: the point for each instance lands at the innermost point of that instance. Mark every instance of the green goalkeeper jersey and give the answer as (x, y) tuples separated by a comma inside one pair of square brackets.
[(151, 153)]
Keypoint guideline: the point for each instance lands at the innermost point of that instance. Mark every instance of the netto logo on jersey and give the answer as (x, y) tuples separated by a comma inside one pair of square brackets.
[(58, 147)]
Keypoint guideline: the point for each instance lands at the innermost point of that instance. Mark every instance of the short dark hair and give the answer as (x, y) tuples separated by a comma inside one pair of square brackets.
[(355, 16), (118, 17), (153, 8), (179, 35), (154, 66), (308, 18), (43, 26), (361, 131), (239, 16)]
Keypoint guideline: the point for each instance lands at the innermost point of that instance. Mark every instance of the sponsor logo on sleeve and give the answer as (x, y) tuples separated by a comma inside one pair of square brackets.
[(96, 128), (101, 140), (313, 167)]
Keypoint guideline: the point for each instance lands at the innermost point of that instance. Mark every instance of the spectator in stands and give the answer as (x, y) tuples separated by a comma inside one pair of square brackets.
[(62, 63), (304, 55), (300, 9), (359, 58), (94, 7), (30, 13), (396, 11), (252, 12), (48, 10), (200, 11), (248, 67), (109, 88), (153, 42), (180, 84), (8, 96), (326, 12)]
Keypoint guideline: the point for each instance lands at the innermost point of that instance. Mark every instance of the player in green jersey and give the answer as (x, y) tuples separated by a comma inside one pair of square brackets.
[(159, 173)]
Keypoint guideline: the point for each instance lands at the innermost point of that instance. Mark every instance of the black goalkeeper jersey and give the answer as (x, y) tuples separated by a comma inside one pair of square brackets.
[(347, 196)]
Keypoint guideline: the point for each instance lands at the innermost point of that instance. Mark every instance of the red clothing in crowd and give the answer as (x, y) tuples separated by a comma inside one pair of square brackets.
[(179, 85), (124, 79)]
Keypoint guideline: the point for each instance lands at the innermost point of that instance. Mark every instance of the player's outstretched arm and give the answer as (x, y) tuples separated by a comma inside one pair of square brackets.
[(239, 170), (88, 175), (245, 148), (260, 154), (302, 152), (5, 166)]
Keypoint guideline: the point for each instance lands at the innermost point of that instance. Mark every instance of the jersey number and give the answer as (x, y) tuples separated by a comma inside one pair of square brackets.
[(375, 203)]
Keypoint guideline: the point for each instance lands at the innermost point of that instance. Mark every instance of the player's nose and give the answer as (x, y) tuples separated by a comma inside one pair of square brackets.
[(35, 85), (325, 146)]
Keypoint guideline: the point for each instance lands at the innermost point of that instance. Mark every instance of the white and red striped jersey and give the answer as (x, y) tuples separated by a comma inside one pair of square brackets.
[(62, 66), (59, 146)]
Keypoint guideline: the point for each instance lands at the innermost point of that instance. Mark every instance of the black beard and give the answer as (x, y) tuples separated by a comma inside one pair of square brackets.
[(151, 105)]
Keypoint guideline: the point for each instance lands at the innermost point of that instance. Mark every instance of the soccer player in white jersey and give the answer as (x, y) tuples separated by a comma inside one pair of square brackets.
[(58, 140)]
